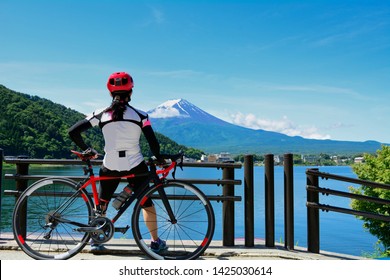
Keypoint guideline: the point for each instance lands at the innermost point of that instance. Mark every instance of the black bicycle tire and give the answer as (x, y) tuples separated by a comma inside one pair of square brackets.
[(201, 246), (29, 192)]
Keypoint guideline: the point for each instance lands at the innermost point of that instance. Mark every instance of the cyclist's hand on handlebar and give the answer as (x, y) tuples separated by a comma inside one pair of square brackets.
[(90, 153), (159, 161)]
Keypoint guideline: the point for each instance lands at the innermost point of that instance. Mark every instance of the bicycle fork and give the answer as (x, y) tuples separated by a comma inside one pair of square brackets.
[(167, 205)]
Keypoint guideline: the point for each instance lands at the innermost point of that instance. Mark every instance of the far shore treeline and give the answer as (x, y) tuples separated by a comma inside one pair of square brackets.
[(38, 128)]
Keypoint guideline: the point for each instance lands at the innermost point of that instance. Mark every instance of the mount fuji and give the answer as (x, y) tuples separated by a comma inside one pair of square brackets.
[(189, 125), (181, 109)]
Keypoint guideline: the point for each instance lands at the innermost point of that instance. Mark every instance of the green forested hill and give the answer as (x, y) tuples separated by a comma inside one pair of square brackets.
[(37, 127)]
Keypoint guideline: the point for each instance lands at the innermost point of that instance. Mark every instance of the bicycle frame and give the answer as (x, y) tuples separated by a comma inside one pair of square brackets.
[(68, 214), (154, 175)]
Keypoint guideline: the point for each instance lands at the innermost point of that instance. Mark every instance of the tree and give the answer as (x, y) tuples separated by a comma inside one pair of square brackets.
[(375, 168)]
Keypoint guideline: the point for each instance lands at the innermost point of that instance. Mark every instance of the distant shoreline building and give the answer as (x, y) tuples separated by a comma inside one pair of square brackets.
[(358, 160), (223, 157)]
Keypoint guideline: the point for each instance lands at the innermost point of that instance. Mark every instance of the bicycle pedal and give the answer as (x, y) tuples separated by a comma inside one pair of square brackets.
[(122, 230)]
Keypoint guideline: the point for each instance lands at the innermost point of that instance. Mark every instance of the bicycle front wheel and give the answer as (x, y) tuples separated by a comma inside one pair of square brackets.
[(184, 220), (46, 217)]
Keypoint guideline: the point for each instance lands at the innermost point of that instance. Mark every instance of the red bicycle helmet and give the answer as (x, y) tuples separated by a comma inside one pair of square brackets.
[(119, 81)]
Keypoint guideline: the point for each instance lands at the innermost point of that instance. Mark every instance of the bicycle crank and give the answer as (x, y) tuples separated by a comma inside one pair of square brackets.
[(101, 229)]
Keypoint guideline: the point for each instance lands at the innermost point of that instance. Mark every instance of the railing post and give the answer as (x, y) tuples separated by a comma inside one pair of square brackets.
[(313, 216), (228, 209), (288, 202), (21, 185), (269, 200), (249, 201)]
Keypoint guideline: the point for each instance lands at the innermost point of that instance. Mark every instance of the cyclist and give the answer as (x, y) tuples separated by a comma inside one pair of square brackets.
[(121, 125)]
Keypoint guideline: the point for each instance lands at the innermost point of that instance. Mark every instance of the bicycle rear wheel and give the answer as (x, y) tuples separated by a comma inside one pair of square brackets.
[(41, 219), (188, 234)]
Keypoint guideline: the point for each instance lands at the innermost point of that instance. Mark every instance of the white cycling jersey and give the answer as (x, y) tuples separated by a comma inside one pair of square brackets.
[(122, 148)]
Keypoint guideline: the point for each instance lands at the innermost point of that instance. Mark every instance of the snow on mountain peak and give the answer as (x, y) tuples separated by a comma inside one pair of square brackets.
[(174, 108), (170, 103), (180, 108), (165, 110)]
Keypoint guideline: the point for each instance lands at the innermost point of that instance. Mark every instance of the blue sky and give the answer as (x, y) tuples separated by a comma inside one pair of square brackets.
[(318, 69)]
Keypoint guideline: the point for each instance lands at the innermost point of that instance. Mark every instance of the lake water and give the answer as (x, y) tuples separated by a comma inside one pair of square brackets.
[(339, 233)]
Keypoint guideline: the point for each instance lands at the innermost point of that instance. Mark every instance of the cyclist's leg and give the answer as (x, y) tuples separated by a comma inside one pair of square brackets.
[(107, 187), (150, 221), (150, 217), (149, 211), (106, 190)]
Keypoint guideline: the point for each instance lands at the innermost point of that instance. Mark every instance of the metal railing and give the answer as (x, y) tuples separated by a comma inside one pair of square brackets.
[(228, 197), (313, 204), (228, 183)]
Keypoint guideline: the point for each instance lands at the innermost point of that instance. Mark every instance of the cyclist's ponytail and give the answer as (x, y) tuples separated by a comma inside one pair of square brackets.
[(118, 105)]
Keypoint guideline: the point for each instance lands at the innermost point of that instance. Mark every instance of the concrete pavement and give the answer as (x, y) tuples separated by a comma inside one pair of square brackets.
[(119, 249)]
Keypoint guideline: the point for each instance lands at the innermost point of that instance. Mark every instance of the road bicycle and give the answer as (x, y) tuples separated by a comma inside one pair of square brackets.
[(63, 215)]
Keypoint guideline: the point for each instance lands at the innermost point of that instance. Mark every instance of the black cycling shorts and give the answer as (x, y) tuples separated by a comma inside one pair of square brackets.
[(108, 187)]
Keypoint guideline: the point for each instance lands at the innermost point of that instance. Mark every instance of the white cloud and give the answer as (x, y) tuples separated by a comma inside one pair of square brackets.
[(284, 126)]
